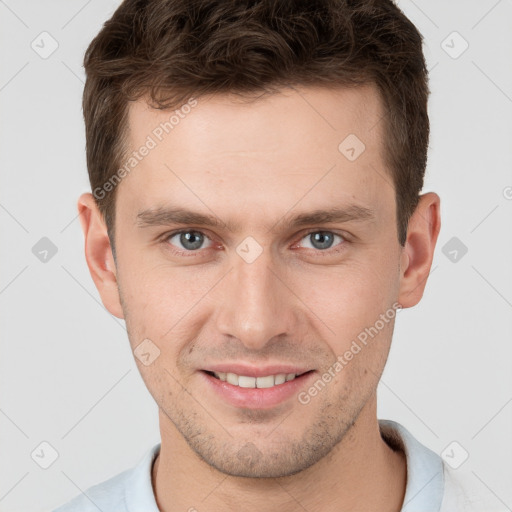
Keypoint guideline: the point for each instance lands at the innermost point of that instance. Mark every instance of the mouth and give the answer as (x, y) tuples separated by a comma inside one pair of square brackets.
[(263, 390), (263, 382)]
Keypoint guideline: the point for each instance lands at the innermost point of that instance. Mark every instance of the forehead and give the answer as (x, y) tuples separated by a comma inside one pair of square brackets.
[(310, 144), (290, 111)]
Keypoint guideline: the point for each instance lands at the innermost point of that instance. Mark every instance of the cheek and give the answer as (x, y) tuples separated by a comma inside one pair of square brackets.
[(354, 294), (347, 303), (164, 303)]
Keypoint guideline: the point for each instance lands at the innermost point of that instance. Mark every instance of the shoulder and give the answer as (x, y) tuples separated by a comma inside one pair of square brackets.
[(434, 485), (465, 492), (129, 490), (107, 495)]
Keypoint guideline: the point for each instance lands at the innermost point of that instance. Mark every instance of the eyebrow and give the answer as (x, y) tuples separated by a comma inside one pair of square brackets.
[(164, 216)]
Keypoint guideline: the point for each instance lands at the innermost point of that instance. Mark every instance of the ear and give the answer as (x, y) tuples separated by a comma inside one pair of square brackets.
[(418, 252), (98, 254)]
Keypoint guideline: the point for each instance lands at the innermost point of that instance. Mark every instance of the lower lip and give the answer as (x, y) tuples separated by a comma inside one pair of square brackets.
[(257, 398)]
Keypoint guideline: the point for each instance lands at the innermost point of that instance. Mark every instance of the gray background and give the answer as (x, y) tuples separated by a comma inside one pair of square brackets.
[(67, 375)]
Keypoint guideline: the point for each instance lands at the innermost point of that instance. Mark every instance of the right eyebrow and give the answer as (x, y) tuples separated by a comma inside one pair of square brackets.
[(167, 216)]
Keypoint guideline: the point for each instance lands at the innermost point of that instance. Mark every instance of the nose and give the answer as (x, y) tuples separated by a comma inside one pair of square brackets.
[(255, 304)]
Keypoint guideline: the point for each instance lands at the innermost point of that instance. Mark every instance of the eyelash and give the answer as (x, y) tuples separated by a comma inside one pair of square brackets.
[(327, 252)]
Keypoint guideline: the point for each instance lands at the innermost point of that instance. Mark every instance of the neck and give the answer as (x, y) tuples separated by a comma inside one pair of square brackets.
[(361, 473)]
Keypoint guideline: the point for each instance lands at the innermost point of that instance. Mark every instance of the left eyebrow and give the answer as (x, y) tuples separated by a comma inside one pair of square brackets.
[(166, 216), (348, 213)]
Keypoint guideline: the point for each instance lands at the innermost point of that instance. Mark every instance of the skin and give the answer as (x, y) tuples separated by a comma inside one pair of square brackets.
[(258, 164)]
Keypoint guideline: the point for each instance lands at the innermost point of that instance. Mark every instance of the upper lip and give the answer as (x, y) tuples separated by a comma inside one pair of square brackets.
[(256, 371)]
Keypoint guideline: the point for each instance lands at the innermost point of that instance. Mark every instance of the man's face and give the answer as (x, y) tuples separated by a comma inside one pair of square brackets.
[(258, 295)]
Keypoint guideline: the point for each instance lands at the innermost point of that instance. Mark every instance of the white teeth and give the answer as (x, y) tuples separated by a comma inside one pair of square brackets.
[(244, 381), (280, 378), (265, 382), (232, 379)]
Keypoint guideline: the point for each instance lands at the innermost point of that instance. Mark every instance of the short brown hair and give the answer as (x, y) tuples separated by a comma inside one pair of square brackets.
[(172, 50)]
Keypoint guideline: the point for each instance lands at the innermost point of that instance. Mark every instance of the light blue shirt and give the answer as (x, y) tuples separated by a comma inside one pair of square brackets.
[(132, 491)]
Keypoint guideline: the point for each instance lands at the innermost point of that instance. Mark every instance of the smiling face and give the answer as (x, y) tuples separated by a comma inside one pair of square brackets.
[(258, 286)]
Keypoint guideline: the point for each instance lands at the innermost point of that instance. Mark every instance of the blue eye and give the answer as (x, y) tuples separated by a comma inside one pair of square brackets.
[(322, 240), (190, 240)]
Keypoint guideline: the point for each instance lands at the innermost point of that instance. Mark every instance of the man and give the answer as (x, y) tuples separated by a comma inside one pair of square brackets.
[(256, 220)]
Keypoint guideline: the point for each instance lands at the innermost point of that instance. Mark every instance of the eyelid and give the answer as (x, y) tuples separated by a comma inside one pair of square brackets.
[(343, 235)]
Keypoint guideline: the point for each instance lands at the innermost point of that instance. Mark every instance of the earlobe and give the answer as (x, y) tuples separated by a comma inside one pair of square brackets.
[(98, 254), (418, 252)]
